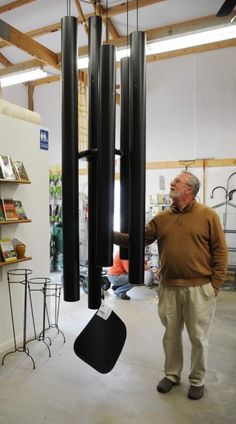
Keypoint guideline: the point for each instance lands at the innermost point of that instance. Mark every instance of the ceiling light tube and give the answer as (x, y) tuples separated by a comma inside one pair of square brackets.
[(23, 77)]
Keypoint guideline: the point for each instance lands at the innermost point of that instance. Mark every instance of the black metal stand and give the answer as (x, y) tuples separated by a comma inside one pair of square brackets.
[(39, 284), (19, 276), (54, 290)]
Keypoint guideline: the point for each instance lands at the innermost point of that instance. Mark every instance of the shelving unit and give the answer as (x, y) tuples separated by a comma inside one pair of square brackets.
[(27, 258), (18, 221), (3, 180)]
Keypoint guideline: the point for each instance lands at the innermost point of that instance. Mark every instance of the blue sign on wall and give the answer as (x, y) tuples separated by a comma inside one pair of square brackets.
[(44, 139)]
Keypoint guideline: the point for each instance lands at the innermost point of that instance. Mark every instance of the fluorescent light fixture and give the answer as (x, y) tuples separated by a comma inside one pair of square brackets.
[(83, 62), (191, 40), (184, 41), (23, 77)]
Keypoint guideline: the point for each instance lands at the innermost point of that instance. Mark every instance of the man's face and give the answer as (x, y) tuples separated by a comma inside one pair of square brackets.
[(179, 187)]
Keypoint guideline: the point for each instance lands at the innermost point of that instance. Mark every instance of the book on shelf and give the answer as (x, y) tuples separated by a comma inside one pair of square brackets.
[(7, 169), (20, 170), (20, 210), (9, 210), (2, 214), (7, 250)]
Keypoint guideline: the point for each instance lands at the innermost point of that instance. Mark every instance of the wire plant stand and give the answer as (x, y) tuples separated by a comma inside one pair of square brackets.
[(19, 276)]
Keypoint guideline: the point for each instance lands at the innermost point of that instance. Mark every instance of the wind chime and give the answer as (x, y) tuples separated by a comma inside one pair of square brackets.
[(102, 340)]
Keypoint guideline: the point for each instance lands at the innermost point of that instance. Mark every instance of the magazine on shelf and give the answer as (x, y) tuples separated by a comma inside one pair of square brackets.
[(2, 214), (20, 210), (6, 166), (7, 250), (20, 170), (9, 210)]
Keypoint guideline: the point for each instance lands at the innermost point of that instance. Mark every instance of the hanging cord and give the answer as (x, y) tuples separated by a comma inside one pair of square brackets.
[(107, 32), (68, 7), (137, 13)]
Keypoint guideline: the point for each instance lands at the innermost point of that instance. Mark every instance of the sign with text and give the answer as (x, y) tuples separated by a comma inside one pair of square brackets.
[(44, 139)]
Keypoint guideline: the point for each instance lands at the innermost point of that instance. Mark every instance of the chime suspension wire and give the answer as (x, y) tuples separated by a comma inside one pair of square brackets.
[(68, 7)]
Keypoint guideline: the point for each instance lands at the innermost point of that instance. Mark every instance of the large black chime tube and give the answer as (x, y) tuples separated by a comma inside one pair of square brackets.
[(94, 272), (70, 159), (137, 83), (106, 157), (124, 146)]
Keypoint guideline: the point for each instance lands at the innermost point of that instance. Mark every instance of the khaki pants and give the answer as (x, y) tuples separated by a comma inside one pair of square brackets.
[(194, 307)]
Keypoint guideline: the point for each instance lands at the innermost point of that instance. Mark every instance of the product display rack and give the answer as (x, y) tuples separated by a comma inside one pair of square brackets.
[(20, 221)]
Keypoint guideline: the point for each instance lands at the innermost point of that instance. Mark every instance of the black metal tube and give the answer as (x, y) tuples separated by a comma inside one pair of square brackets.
[(94, 272), (70, 159), (124, 145), (137, 156), (106, 157)]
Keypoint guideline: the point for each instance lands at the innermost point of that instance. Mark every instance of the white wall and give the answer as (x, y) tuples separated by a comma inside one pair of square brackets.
[(191, 106)]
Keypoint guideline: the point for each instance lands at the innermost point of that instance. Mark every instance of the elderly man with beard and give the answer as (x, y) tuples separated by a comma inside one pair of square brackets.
[(193, 264)]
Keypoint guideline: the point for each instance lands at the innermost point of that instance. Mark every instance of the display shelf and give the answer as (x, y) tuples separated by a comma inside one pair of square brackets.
[(27, 258), (17, 221), (4, 180)]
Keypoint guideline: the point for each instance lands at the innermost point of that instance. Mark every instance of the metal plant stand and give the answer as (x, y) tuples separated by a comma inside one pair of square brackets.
[(19, 276), (54, 290), (40, 284)]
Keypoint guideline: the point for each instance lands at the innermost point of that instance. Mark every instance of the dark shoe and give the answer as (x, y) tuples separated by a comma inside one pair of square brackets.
[(123, 296), (196, 392), (114, 287), (165, 385)]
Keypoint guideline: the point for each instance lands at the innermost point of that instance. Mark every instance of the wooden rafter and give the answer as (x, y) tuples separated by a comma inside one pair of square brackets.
[(4, 61), (107, 21), (38, 32), (14, 5), (20, 66), (25, 43), (116, 10), (81, 15), (121, 8)]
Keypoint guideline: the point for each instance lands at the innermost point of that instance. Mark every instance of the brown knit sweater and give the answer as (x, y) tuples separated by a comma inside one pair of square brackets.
[(191, 245)]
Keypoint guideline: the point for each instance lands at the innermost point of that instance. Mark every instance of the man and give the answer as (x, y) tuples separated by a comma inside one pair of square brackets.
[(193, 264), (118, 276)]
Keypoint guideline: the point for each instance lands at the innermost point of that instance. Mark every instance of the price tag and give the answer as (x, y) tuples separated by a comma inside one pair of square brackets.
[(104, 311)]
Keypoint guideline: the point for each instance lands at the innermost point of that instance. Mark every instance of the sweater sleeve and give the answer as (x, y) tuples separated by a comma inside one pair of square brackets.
[(121, 239), (219, 253), (151, 231)]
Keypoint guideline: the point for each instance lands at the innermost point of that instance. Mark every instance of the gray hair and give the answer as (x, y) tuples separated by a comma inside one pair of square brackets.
[(193, 182)]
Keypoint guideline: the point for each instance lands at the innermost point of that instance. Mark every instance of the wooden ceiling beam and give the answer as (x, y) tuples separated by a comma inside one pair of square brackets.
[(25, 43), (116, 10), (122, 8), (13, 5), (179, 28), (20, 67), (81, 15), (4, 61)]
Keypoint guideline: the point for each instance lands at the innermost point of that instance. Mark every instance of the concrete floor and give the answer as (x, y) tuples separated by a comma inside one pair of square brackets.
[(64, 390)]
